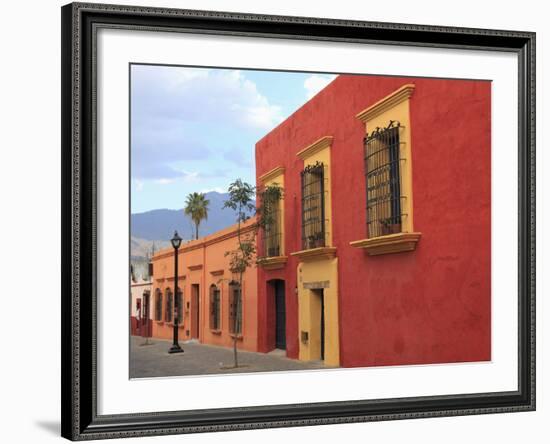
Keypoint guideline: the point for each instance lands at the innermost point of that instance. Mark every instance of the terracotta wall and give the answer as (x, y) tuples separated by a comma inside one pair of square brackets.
[(202, 263)]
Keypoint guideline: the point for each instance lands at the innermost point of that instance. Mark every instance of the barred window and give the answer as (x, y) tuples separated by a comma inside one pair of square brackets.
[(158, 305), (272, 229), (383, 171), (313, 206), (146, 301), (179, 305), (168, 309), (235, 308), (215, 308)]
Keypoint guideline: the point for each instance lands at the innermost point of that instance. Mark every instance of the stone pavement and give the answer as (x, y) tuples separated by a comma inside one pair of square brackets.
[(153, 360)]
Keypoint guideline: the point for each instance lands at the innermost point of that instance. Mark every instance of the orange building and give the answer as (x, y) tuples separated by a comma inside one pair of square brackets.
[(210, 298)]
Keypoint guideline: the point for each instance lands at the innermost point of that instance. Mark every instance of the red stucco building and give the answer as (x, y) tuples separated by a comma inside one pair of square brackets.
[(380, 253)]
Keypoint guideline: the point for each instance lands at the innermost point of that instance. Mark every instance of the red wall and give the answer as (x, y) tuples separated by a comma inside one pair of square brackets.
[(138, 327), (427, 306)]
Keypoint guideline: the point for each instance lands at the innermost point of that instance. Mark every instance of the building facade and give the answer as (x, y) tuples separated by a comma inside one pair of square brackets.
[(380, 251), (140, 308), (213, 307)]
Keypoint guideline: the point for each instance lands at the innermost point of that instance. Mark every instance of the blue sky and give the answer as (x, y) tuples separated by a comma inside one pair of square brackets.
[(194, 129)]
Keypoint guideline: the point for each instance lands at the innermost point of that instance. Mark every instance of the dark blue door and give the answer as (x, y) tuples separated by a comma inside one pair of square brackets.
[(280, 315)]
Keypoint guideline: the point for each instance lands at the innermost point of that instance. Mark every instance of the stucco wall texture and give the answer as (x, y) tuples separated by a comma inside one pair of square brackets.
[(202, 263), (431, 305)]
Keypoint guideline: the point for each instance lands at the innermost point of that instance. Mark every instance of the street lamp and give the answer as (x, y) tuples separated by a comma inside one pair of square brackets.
[(176, 242)]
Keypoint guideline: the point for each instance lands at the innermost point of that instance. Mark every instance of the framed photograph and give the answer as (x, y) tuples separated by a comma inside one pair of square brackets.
[(278, 221)]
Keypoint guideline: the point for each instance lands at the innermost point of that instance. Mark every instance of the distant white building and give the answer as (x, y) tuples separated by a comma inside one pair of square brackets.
[(140, 298)]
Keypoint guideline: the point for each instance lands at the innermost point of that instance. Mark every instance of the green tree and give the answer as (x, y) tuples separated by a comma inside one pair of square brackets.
[(196, 207), (241, 200)]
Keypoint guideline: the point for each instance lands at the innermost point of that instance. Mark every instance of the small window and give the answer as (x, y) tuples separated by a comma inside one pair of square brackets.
[(168, 309), (382, 165), (235, 308), (145, 308), (271, 203), (313, 206), (158, 305), (215, 308)]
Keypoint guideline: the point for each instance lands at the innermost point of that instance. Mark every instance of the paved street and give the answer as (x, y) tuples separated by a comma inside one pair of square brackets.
[(153, 360)]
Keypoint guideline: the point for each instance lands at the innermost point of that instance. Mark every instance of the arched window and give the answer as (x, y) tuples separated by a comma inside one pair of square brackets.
[(168, 308), (235, 308), (215, 308), (158, 305)]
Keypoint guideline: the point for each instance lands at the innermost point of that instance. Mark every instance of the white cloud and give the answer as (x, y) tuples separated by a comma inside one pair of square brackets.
[(316, 82), (165, 96), (165, 181), (179, 113), (187, 177)]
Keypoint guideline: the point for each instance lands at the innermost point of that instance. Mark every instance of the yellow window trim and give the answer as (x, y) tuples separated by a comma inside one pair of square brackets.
[(315, 147), (272, 174), (319, 151), (272, 263), (391, 243), (387, 103), (315, 254), (394, 106), (272, 177)]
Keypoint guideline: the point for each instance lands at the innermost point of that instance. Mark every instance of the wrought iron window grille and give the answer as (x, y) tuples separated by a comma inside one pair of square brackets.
[(383, 180), (169, 308), (272, 234), (158, 305), (313, 206), (215, 308), (235, 309)]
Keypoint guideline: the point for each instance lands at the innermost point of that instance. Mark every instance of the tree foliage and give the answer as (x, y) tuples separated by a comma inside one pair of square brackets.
[(269, 198), (196, 207), (241, 200)]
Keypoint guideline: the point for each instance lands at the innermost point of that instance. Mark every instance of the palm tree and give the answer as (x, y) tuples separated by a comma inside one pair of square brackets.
[(196, 207)]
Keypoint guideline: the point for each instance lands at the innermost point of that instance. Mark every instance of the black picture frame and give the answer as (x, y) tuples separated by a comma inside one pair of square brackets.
[(79, 210)]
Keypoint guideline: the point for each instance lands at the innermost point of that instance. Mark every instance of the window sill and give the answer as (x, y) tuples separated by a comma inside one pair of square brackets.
[(239, 336), (171, 324), (391, 243), (159, 322), (272, 263), (215, 332), (314, 254)]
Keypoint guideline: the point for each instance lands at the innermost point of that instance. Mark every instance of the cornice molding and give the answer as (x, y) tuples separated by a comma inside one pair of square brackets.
[(272, 174), (388, 102), (315, 147)]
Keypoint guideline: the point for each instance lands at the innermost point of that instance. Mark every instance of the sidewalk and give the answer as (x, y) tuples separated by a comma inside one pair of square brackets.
[(153, 360)]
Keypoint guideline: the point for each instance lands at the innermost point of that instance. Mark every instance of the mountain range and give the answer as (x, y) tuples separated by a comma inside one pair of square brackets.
[(159, 225)]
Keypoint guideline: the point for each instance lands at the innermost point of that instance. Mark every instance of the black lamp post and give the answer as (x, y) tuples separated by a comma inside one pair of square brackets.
[(176, 242)]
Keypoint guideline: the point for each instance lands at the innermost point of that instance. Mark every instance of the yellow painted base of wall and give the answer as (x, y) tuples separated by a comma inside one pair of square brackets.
[(316, 278)]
